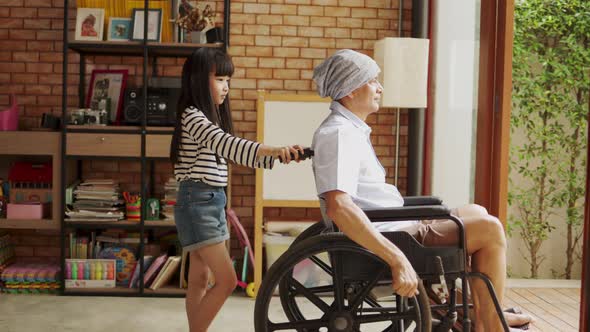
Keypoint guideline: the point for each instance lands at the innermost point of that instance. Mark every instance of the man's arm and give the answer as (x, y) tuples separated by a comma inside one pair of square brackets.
[(351, 220)]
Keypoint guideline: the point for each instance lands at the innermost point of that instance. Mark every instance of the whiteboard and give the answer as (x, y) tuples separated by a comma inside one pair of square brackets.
[(291, 120)]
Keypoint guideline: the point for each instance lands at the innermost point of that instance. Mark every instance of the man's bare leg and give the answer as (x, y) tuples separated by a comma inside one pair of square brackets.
[(486, 243)]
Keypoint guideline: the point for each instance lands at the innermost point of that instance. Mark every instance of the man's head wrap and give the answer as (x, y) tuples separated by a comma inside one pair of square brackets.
[(344, 72)]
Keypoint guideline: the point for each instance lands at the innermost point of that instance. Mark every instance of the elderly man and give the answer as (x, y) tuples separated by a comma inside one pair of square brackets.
[(349, 178)]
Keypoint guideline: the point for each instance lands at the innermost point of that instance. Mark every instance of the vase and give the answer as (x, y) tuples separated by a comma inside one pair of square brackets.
[(198, 37)]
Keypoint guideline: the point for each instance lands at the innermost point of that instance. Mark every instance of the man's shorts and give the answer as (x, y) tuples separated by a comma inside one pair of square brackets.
[(435, 233)]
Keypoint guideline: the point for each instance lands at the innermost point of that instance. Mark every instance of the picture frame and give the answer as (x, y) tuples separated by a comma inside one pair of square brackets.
[(119, 29), (154, 24), (89, 24), (107, 86)]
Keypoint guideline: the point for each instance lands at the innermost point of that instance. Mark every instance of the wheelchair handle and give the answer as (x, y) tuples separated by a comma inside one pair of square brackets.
[(307, 153)]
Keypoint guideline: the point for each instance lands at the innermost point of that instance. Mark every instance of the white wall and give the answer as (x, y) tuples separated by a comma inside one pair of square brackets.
[(455, 60)]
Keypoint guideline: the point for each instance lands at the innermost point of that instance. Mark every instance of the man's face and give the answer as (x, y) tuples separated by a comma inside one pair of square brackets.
[(367, 97)]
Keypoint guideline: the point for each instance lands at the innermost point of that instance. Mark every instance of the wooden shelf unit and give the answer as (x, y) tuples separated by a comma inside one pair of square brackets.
[(35, 143)]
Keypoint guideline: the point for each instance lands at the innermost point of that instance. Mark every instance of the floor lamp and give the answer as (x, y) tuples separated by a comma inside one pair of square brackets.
[(404, 76)]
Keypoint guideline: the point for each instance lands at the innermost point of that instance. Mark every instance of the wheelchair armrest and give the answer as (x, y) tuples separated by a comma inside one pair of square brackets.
[(408, 213), (422, 200)]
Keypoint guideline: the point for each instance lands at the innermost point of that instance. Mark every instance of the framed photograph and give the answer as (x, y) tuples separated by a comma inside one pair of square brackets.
[(119, 29), (89, 24), (154, 24), (105, 92)]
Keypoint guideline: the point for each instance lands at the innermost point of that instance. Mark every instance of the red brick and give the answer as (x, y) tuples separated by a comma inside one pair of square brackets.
[(310, 31), (258, 51), (268, 40), (37, 23), (243, 18), (26, 56), (54, 13), (271, 63), (298, 2), (12, 3), (49, 35), (299, 63), (33, 45), (351, 3), (342, 22), (11, 23), (22, 34), (242, 40), (270, 84), (310, 10), (25, 78), (38, 3), (7, 67), (286, 52), (322, 42), (54, 79), (337, 33), (349, 43), (374, 23), (325, 3), (323, 22), (257, 29), (245, 61), (3, 34), (297, 20), (236, 29), (295, 42), (21, 251), (283, 9), (337, 11), (38, 89), (4, 78), (284, 30), (23, 12), (269, 19), (254, 8), (5, 12), (300, 85), (50, 100), (242, 83), (316, 53), (236, 7), (259, 73), (39, 68)]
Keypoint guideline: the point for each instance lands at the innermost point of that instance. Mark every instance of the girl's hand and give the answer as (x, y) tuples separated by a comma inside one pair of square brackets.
[(283, 153), (288, 153)]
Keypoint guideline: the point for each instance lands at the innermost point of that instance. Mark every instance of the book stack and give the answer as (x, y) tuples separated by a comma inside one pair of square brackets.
[(97, 200), (167, 206)]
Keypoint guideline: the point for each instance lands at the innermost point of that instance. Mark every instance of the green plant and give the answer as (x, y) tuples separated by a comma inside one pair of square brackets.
[(551, 82)]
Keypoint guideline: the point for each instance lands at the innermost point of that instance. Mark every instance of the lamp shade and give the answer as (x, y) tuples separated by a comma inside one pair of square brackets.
[(404, 71)]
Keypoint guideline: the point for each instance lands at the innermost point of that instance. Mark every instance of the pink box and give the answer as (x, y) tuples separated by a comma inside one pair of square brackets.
[(32, 210)]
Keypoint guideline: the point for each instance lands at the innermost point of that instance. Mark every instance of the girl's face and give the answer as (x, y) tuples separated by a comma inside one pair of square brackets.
[(219, 87)]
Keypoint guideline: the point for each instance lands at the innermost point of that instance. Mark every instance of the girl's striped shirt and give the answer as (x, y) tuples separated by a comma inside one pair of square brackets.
[(202, 141)]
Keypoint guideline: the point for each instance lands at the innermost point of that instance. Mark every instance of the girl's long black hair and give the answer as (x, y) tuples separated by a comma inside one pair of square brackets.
[(195, 91)]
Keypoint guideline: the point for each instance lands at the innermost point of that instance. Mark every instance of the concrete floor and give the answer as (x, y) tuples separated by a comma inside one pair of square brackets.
[(24, 313)]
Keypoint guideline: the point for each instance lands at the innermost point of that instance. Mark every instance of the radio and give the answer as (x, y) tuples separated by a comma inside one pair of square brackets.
[(161, 106)]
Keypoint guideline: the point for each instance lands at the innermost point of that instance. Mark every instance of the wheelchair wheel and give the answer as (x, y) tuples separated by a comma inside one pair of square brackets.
[(323, 288), (313, 230)]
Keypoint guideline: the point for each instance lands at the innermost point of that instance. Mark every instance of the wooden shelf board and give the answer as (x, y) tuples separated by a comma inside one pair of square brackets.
[(135, 48), (100, 224), (29, 224), (168, 289), (159, 223), (117, 290), (123, 129)]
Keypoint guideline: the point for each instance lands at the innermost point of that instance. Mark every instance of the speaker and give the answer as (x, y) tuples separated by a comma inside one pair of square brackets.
[(161, 106), (133, 106)]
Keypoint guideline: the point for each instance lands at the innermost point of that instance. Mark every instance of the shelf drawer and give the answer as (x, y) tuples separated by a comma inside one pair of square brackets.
[(158, 146), (119, 145)]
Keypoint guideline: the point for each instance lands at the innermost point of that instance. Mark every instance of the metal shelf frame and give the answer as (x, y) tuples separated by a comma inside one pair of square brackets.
[(148, 50)]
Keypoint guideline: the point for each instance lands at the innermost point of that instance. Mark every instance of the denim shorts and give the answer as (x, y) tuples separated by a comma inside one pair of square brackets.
[(199, 215)]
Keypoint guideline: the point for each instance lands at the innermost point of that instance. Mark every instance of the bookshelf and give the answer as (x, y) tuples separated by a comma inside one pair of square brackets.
[(141, 143), (26, 144)]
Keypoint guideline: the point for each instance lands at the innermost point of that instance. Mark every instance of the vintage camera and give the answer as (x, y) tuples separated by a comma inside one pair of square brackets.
[(96, 118)]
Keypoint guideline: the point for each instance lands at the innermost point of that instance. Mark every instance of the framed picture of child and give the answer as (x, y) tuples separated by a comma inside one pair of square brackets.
[(105, 92), (154, 24), (89, 24), (119, 29)]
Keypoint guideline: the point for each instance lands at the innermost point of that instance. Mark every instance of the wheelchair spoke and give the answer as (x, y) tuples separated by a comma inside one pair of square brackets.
[(338, 279), (358, 300), (300, 289), (306, 324), (321, 265)]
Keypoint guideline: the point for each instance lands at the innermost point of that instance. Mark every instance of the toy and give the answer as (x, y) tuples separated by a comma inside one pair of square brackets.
[(248, 253)]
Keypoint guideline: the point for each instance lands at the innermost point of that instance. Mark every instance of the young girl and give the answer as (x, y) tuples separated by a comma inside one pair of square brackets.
[(201, 143)]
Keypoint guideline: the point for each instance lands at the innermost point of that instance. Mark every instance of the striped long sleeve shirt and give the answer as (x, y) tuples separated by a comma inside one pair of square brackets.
[(202, 141)]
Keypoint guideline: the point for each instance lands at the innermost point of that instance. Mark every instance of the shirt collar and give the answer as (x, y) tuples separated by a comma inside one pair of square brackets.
[(340, 109)]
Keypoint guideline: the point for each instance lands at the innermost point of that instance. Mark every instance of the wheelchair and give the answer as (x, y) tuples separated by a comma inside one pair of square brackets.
[(326, 282)]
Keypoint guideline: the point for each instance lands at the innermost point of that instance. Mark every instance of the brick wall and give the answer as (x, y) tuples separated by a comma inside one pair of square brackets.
[(275, 44)]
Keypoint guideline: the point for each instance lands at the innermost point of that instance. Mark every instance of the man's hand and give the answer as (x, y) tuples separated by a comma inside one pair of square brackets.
[(405, 281), (351, 220)]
